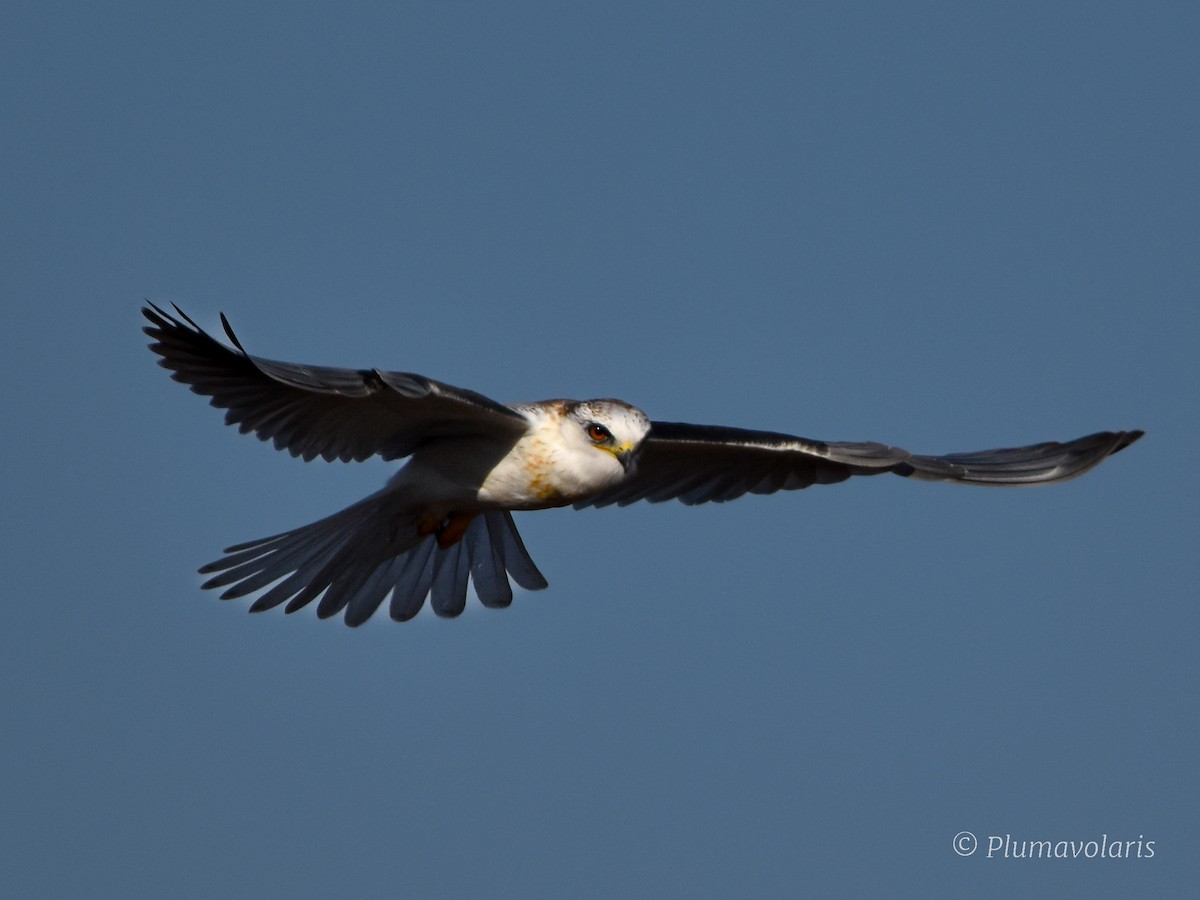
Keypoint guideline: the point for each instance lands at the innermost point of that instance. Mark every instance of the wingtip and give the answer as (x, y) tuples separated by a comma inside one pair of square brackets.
[(161, 319), (186, 318), (1125, 438), (229, 333), (157, 318)]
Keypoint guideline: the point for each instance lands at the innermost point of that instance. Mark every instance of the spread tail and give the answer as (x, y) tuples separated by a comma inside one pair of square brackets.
[(354, 559)]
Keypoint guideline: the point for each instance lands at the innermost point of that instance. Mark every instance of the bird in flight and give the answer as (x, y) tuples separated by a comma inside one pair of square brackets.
[(445, 518)]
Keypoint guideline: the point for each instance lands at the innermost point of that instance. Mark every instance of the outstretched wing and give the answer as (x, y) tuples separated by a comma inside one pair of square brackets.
[(310, 411), (699, 463)]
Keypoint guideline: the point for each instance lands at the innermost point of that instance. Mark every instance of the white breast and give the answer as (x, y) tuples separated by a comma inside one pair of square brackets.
[(552, 465)]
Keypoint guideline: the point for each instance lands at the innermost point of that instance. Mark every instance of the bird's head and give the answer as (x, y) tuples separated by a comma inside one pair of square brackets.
[(610, 427)]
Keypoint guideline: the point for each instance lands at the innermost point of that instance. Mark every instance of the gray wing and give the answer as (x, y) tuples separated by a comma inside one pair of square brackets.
[(702, 463), (310, 411)]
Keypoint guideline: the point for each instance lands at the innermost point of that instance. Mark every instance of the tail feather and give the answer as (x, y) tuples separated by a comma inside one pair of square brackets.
[(344, 585), (516, 558), (488, 569), (251, 570), (365, 601), (414, 582), (358, 557), (451, 569)]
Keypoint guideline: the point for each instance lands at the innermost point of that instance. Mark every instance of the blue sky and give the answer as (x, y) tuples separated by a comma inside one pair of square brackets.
[(942, 226)]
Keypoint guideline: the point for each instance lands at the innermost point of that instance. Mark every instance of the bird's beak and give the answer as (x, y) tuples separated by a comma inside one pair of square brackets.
[(624, 455)]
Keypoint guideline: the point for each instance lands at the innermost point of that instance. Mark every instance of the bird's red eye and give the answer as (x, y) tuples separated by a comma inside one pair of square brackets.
[(598, 433)]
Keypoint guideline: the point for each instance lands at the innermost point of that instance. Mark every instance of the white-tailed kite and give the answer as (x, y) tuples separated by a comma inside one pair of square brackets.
[(445, 518)]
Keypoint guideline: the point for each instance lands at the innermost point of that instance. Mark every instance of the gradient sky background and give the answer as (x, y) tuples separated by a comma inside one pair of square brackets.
[(945, 226)]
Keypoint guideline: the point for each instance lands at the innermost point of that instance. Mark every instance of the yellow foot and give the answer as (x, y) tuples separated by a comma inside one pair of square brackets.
[(449, 530), (454, 528)]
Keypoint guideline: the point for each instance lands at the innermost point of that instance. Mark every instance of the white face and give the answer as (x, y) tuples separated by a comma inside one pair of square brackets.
[(572, 451), (609, 428)]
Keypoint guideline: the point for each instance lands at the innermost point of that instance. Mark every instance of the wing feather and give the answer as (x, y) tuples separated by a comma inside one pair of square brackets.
[(709, 463), (310, 411)]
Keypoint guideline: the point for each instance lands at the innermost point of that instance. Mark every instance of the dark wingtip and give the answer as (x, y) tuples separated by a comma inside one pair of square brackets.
[(157, 318), (229, 332), (162, 321), (186, 318), (1126, 438)]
